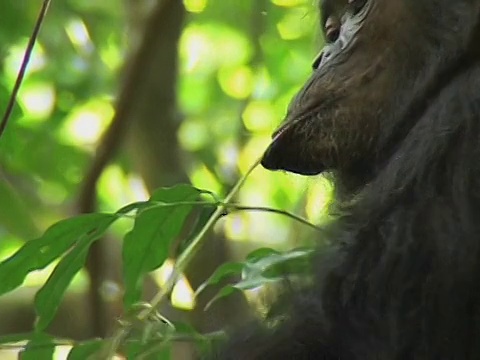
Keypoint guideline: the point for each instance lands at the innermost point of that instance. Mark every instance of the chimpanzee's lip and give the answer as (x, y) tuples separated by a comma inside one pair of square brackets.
[(287, 151)]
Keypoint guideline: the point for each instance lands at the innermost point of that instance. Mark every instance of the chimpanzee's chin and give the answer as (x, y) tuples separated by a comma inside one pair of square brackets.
[(285, 153)]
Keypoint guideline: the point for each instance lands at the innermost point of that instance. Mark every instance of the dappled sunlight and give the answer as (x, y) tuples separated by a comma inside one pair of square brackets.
[(249, 226), (8, 248), (290, 28), (117, 188), (227, 154), (138, 188), (39, 277), (195, 6), (38, 100), (205, 48), (236, 82), (194, 134), (203, 178), (85, 124), (78, 34), (14, 58), (112, 55), (182, 295), (290, 3), (259, 116), (236, 226), (253, 150), (52, 192)]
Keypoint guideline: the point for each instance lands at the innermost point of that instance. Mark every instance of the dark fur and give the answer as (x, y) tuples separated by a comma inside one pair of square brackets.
[(403, 139)]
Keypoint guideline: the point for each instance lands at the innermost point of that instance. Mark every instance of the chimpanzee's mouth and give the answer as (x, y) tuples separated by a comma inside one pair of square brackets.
[(289, 151)]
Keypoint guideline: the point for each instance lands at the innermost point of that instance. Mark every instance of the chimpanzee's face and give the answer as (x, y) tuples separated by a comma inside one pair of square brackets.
[(379, 57)]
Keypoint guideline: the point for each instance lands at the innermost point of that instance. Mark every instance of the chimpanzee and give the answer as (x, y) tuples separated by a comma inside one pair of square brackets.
[(392, 110)]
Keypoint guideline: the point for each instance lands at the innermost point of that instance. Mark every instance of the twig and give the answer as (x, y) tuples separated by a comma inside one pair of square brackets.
[(180, 265), (275, 211), (187, 255), (234, 207), (23, 66)]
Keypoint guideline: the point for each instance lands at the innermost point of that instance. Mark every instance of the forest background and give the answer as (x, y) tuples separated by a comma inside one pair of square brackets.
[(123, 101)]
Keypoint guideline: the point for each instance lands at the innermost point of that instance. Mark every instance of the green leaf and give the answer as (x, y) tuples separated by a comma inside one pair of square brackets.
[(278, 265), (261, 253), (15, 338), (263, 266), (41, 347), (37, 254), (243, 285), (146, 247), (50, 295), (159, 350), (223, 271), (224, 292), (83, 350), (204, 215), (15, 216)]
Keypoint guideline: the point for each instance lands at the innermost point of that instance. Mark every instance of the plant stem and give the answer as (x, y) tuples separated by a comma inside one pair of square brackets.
[(192, 249)]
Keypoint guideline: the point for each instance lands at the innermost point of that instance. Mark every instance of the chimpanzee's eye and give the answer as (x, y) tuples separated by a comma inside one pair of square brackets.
[(332, 29)]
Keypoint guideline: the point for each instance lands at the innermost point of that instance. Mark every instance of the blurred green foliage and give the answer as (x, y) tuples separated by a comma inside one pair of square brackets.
[(240, 63)]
